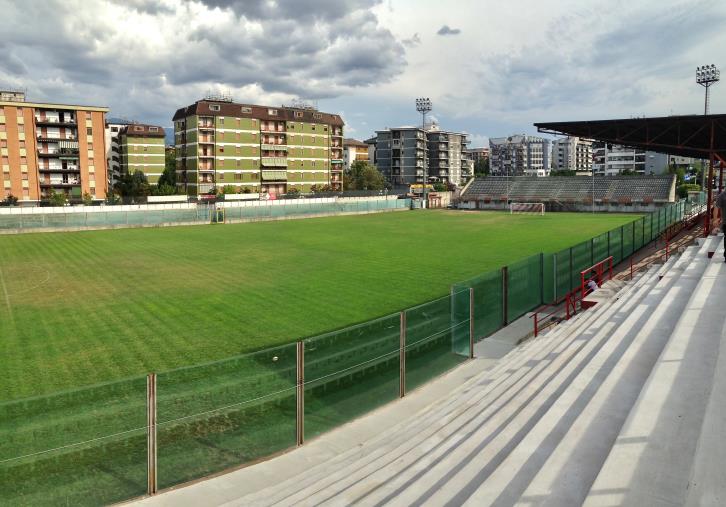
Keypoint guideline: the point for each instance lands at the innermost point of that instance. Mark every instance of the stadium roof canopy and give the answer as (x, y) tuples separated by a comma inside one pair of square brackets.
[(696, 136)]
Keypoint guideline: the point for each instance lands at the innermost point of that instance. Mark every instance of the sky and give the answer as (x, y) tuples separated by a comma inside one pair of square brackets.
[(490, 68)]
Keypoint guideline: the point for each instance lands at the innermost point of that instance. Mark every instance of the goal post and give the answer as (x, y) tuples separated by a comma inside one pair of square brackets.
[(527, 208)]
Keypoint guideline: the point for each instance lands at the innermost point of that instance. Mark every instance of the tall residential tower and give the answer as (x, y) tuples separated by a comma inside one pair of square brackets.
[(51, 148), (220, 143)]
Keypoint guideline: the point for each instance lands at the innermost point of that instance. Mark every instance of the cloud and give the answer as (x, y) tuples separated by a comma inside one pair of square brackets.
[(445, 30), (146, 58), (414, 41)]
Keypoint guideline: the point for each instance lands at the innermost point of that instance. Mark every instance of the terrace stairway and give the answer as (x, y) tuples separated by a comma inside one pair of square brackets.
[(621, 405)]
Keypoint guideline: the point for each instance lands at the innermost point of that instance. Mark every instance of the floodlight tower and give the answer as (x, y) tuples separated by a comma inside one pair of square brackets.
[(423, 106), (706, 76)]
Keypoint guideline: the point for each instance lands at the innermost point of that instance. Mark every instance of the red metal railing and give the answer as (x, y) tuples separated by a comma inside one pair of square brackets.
[(599, 270), (570, 310)]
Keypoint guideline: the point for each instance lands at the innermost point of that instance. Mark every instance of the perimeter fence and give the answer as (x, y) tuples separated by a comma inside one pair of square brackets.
[(111, 442), (42, 219)]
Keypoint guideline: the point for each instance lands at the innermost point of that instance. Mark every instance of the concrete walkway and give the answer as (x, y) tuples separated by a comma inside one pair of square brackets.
[(623, 404)]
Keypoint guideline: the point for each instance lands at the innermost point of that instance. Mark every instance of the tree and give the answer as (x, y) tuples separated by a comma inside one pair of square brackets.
[(562, 172), (58, 198), (364, 177), (627, 172), (168, 176), (679, 172), (87, 199), (132, 187), (440, 187), (481, 167), (10, 200), (683, 189)]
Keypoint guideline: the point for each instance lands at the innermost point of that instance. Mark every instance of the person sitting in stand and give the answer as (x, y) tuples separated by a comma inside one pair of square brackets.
[(592, 285)]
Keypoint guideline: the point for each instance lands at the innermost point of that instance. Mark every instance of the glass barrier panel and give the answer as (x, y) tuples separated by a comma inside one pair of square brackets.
[(220, 415)]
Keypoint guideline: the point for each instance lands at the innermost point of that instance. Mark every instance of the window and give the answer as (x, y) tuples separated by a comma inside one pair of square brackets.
[(291, 126), (272, 112), (298, 114), (238, 176), (221, 149), (92, 190), (317, 116), (239, 163), (89, 131), (114, 129), (313, 128), (246, 109), (325, 128), (153, 129), (214, 107), (146, 148), (137, 128), (221, 176)]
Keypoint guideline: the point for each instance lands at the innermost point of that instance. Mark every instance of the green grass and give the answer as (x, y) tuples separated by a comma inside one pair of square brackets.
[(88, 307)]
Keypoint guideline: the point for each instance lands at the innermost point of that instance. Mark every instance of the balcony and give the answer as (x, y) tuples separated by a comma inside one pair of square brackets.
[(62, 184), (274, 175), (42, 139), (69, 169), (67, 122), (206, 154), (274, 162), (443, 173), (273, 147), (206, 139), (272, 128), (206, 125)]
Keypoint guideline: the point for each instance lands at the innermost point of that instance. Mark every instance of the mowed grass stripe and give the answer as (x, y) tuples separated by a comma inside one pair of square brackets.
[(120, 303)]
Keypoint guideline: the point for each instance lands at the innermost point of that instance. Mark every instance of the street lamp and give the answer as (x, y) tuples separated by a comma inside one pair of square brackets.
[(423, 106)]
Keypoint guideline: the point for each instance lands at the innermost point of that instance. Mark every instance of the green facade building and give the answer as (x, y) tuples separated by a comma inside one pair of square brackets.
[(248, 148), (142, 149)]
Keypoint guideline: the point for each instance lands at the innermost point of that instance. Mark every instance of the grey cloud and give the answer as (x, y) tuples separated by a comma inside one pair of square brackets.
[(311, 49), (414, 41), (445, 30)]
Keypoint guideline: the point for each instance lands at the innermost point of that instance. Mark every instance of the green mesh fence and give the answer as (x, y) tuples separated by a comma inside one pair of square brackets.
[(216, 416), (350, 372), (638, 234), (628, 239), (524, 286), (549, 294), (581, 260), (81, 447), (600, 247), (434, 335), (616, 245), (563, 272), (488, 316)]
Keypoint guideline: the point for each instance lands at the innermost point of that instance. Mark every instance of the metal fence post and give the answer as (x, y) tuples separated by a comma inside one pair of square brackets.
[(632, 245), (402, 356), (571, 267), (471, 322), (151, 486), (505, 295), (622, 242), (592, 251), (609, 243), (300, 393), (541, 278)]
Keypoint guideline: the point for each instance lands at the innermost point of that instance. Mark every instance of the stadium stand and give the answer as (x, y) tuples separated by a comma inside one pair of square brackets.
[(621, 405), (555, 191)]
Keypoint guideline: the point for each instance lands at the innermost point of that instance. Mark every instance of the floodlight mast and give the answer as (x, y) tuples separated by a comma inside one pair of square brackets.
[(707, 76), (423, 106)]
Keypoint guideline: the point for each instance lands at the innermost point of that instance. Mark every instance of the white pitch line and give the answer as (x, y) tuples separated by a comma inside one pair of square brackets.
[(7, 297)]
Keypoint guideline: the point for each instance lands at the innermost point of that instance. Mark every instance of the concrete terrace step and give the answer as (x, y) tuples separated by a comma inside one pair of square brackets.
[(662, 442), (344, 485), (533, 350), (560, 457)]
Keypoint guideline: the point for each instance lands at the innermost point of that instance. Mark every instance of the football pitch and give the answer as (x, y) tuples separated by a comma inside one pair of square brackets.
[(88, 307)]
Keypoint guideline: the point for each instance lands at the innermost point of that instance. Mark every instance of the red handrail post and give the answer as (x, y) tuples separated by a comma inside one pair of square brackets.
[(631, 267), (536, 328)]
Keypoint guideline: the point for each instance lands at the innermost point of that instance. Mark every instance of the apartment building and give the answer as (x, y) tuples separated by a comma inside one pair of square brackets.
[(272, 150), (141, 148), (613, 159), (477, 154), (113, 150), (354, 150), (572, 154), (519, 155), (400, 154), (46, 148)]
